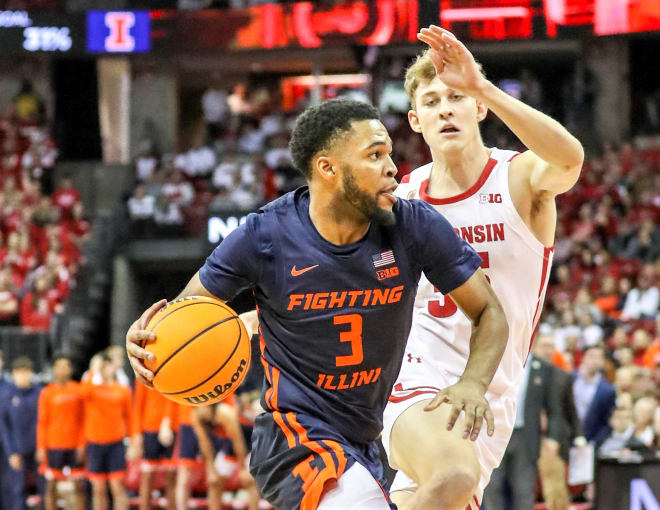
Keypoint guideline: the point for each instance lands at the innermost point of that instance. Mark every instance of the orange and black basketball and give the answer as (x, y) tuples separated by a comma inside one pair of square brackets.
[(202, 350)]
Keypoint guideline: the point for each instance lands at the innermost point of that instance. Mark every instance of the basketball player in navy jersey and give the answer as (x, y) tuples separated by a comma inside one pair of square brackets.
[(334, 269)]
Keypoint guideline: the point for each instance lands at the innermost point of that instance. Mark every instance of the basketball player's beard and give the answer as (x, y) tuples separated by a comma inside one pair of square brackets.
[(364, 202)]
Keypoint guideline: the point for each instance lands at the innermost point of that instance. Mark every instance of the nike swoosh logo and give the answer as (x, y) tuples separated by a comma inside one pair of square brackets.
[(298, 272)]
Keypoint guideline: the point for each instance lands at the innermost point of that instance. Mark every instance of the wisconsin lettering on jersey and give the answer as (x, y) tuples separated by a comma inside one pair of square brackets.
[(481, 233), (345, 298)]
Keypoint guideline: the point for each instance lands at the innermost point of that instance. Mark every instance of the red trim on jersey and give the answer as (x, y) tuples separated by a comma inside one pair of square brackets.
[(547, 252), (514, 156), (396, 400), (462, 196), (405, 179)]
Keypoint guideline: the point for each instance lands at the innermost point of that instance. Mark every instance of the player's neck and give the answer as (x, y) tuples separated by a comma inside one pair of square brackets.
[(454, 172), (335, 222)]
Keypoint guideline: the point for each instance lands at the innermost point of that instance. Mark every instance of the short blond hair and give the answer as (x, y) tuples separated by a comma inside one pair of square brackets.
[(422, 70)]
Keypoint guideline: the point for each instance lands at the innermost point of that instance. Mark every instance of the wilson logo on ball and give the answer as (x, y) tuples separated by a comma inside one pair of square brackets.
[(219, 389)]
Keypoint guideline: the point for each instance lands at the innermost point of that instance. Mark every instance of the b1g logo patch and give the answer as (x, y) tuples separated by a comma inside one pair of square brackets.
[(411, 194), (390, 272), (490, 198)]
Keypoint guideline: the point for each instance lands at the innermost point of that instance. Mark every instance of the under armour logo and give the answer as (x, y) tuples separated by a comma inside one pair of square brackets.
[(411, 357)]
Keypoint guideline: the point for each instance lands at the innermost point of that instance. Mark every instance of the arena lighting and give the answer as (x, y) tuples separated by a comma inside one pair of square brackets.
[(369, 24), (329, 79)]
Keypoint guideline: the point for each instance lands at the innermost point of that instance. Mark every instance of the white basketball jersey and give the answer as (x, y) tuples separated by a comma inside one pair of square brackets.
[(516, 263)]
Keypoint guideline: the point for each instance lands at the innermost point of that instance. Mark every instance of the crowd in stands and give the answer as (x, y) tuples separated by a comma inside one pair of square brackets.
[(604, 295), (42, 225)]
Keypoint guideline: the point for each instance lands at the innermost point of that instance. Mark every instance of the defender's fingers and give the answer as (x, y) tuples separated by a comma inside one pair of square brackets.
[(469, 420), (150, 312), (442, 31), (478, 423), (431, 39), (490, 420), (456, 409), (440, 398)]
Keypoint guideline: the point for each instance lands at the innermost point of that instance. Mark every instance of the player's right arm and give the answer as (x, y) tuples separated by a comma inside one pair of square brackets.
[(231, 267), (452, 266)]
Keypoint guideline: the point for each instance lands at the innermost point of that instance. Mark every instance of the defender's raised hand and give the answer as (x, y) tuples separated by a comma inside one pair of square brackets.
[(454, 63)]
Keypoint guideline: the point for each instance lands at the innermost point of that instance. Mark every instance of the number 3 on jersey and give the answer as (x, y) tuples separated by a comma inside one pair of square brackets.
[(353, 335), (448, 307)]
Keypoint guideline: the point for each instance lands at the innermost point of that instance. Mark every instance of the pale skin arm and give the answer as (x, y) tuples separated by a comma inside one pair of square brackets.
[(138, 333), (227, 416), (490, 332), (554, 159)]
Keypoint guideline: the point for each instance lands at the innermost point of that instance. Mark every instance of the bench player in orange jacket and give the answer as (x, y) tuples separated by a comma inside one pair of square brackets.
[(149, 410), (60, 439), (107, 423)]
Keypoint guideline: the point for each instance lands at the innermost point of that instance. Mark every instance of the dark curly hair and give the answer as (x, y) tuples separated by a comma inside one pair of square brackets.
[(319, 126)]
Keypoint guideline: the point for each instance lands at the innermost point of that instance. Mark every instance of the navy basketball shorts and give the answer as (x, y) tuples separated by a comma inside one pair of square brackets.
[(106, 461), (153, 452), (61, 464), (188, 446), (294, 456)]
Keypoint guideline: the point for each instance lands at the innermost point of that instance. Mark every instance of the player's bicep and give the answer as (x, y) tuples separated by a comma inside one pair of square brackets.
[(195, 287), (542, 176), (474, 296)]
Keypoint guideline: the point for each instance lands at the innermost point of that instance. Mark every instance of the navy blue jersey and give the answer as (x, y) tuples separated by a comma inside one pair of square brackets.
[(334, 320)]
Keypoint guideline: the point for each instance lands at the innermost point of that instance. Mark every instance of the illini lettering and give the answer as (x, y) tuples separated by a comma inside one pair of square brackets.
[(218, 390), (482, 233), (345, 298), (348, 380)]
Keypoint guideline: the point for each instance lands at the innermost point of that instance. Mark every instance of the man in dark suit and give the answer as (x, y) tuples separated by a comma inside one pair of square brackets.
[(544, 348), (595, 398), (552, 468), (536, 394)]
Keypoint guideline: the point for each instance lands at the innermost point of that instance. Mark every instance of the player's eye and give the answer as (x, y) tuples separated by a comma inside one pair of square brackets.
[(456, 97), (430, 102), (374, 155)]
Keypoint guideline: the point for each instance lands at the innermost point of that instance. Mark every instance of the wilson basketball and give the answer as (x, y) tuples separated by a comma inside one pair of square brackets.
[(202, 351)]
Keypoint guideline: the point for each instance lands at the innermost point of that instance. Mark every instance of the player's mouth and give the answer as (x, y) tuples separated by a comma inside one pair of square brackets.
[(449, 130), (388, 194)]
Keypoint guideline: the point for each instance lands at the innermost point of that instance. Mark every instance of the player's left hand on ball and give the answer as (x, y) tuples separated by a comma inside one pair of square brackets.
[(469, 397), (136, 335)]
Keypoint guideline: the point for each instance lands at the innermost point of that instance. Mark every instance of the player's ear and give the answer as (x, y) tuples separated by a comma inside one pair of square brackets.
[(413, 120), (324, 167), (482, 111)]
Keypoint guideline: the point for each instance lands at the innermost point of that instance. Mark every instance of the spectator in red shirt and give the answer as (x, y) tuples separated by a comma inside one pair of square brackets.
[(19, 264), (78, 226), (37, 308), (66, 196), (8, 300)]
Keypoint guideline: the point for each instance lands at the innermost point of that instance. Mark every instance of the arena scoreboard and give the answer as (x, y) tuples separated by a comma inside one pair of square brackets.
[(317, 24)]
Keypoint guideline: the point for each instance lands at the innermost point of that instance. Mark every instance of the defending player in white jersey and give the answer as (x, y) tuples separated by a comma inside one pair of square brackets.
[(504, 205)]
